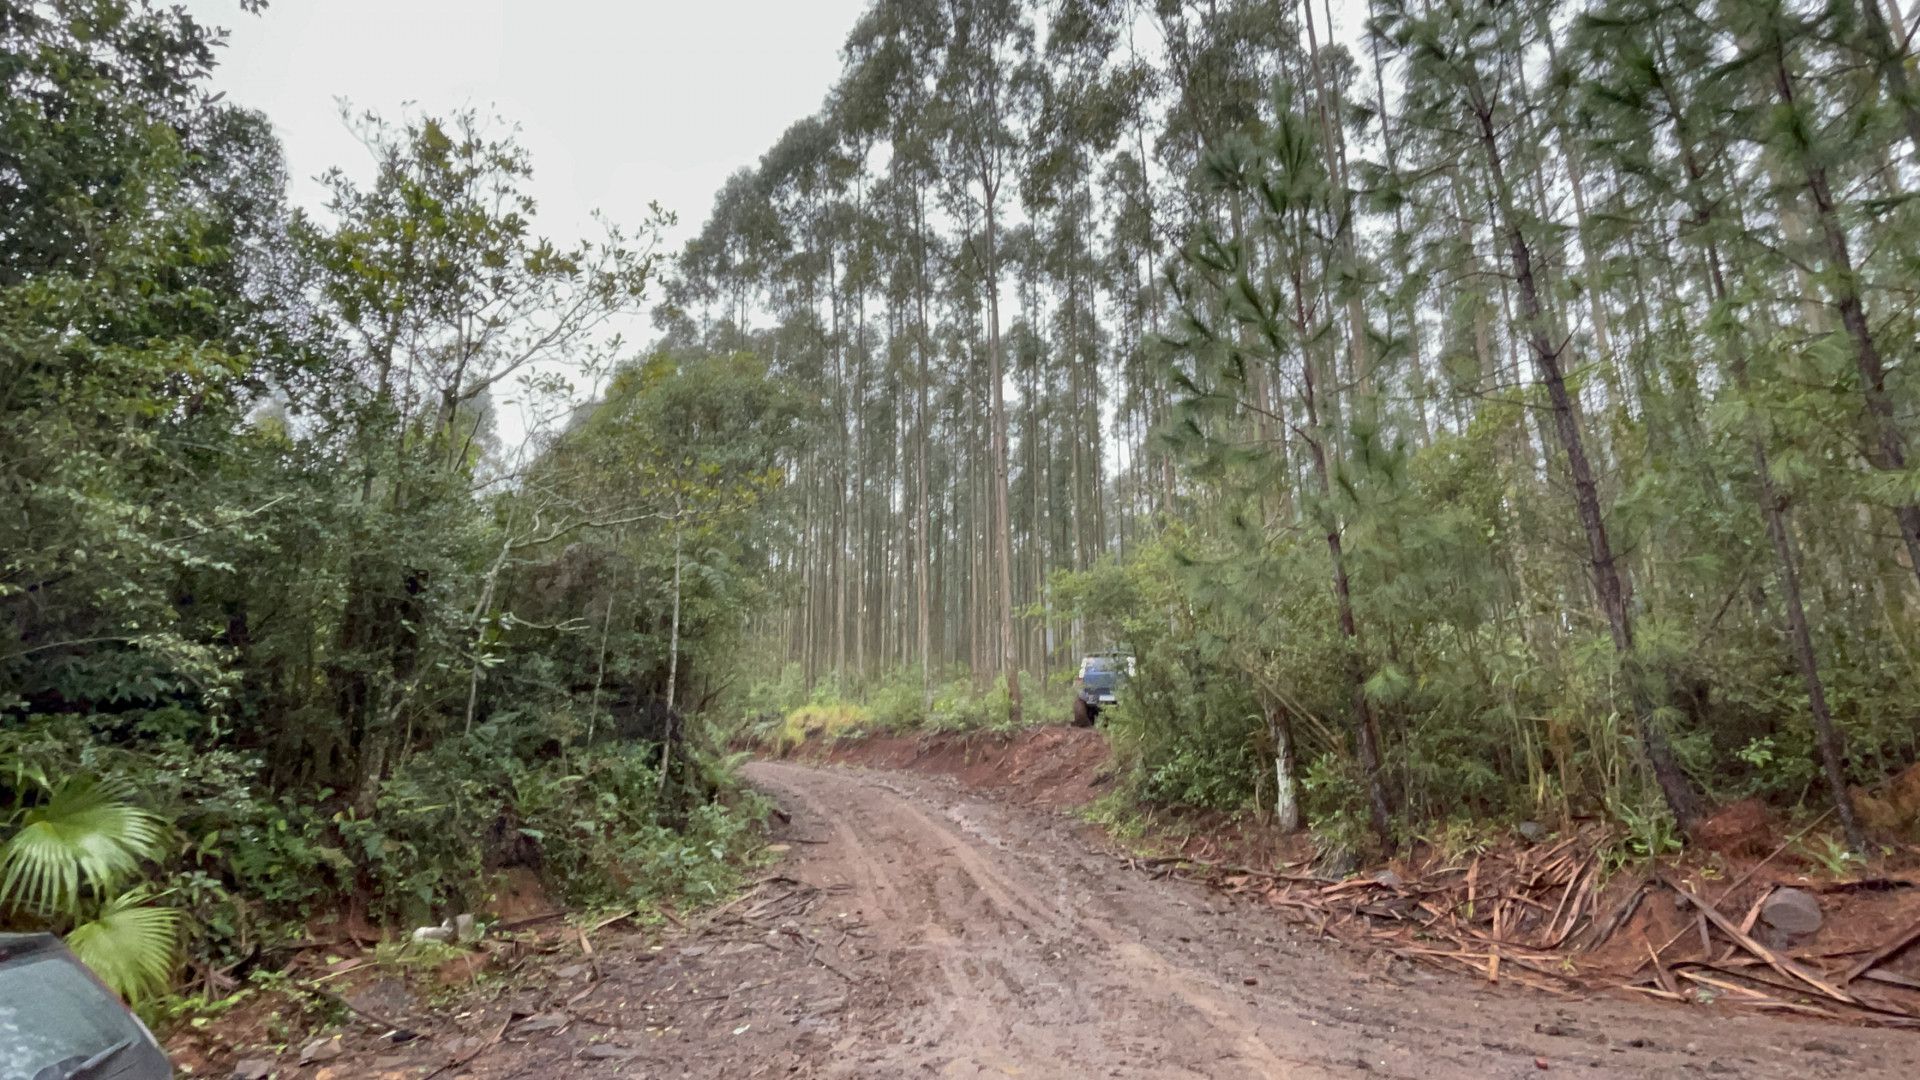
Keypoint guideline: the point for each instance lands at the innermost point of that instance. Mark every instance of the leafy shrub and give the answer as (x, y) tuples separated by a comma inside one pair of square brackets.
[(959, 706), (897, 701), (825, 721), (1335, 804)]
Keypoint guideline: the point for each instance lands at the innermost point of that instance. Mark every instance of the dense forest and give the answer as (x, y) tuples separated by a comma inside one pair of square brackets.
[(1469, 409), (282, 618), (1464, 411)]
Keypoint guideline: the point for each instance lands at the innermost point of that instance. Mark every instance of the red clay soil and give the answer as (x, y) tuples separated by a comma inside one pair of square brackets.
[(934, 914), (1046, 766), (920, 928), (1736, 862)]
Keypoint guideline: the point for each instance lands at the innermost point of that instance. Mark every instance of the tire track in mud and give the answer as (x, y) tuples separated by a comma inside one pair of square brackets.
[(1131, 961), (1001, 946), (1014, 948), (946, 879)]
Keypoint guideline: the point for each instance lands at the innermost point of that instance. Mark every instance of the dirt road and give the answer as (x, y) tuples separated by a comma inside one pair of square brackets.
[(922, 930)]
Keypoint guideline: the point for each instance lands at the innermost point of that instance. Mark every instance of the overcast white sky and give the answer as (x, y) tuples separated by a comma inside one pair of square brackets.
[(621, 101)]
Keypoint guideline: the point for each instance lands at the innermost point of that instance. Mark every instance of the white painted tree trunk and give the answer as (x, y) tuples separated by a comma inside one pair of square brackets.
[(1286, 788)]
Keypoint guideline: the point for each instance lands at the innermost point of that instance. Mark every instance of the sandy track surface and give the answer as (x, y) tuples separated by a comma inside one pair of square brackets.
[(920, 930)]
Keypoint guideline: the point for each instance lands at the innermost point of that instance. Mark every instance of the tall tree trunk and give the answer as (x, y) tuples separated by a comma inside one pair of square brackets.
[(1004, 556), (672, 729), (1773, 505), (1891, 57), (923, 556), (1365, 727), (1366, 731), (1286, 786), (1608, 579)]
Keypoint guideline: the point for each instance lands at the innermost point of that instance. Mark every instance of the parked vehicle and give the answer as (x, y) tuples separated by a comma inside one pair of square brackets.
[(59, 1022), (1101, 678)]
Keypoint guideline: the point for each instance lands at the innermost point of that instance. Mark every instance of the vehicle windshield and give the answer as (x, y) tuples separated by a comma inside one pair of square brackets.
[(51, 1011), (1103, 672)]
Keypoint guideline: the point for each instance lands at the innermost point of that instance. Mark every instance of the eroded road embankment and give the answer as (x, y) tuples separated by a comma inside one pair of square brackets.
[(918, 929)]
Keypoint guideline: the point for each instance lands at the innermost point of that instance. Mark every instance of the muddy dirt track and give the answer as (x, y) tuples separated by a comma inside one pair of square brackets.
[(919, 930)]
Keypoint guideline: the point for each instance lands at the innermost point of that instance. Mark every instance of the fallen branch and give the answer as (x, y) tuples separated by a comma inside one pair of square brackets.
[(586, 949), (1882, 954), (1774, 960)]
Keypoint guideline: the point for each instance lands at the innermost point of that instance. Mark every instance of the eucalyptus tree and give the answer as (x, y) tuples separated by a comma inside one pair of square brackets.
[(985, 65), (1081, 109), (1507, 283), (888, 90)]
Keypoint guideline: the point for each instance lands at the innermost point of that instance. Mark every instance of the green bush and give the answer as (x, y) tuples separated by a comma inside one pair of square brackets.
[(892, 701), (236, 864)]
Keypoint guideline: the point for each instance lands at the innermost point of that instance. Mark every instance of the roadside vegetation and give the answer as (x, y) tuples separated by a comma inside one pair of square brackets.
[(781, 715), (293, 630)]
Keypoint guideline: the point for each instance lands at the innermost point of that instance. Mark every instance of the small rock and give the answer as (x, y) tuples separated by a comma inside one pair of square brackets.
[(544, 1022), (1792, 911), (321, 1050), (572, 972), (441, 934), (253, 1069), (1821, 1046), (1250, 981), (1532, 831), (1540, 1063), (1390, 879), (464, 928)]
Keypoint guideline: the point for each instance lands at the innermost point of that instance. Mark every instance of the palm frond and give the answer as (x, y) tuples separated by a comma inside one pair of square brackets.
[(87, 834), (130, 945)]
